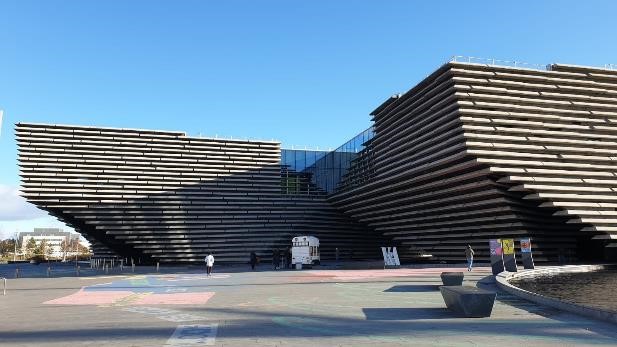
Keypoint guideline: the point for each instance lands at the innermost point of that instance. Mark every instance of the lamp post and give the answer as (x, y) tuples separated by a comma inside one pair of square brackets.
[(15, 244)]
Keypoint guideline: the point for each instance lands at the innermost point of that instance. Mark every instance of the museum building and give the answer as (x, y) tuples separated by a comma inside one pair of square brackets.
[(471, 153)]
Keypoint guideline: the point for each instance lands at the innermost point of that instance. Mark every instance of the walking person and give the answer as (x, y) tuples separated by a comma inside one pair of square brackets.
[(469, 255), (253, 260), (288, 257), (276, 259), (209, 264)]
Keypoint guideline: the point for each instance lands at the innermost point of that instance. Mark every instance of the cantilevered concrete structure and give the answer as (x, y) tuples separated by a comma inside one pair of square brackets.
[(163, 196), (476, 152), (471, 153)]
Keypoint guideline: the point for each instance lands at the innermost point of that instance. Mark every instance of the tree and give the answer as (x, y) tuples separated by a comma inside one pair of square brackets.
[(30, 247), (7, 246), (49, 250), (65, 247), (83, 250), (41, 249)]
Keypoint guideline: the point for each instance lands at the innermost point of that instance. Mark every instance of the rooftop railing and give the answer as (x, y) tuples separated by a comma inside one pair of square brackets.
[(496, 62), (510, 63)]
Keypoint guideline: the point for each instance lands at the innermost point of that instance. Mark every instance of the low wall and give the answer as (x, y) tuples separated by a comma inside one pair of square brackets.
[(503, 281)]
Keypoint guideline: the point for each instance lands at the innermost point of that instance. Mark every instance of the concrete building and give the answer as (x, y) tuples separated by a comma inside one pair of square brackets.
[(473, 152), (56, 240)]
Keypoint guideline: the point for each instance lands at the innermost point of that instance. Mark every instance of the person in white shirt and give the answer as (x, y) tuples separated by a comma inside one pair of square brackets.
[(209, 264)]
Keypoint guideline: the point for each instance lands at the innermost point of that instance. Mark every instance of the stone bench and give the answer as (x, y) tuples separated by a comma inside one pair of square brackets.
[(468, 301), (452, 278)]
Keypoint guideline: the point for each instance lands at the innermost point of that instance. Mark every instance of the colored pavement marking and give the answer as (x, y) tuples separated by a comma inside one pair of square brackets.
[(193, 278), (164, 314), (90, 298), (143, 290), (175, 299), (193, 335)]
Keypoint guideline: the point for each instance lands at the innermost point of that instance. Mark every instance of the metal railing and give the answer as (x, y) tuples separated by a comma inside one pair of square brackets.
[(496, 62), (510, 63)]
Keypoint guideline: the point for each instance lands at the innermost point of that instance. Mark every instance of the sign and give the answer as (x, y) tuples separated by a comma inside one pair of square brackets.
[(509, 257), (496, 252), (495, 246), (390, 256), (526, 253), (508, 246), (525, 245)]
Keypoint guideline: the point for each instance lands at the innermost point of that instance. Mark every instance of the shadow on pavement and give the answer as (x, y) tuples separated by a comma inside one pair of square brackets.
[(87, 334), (413, 288), (405, 313), (396, 321)]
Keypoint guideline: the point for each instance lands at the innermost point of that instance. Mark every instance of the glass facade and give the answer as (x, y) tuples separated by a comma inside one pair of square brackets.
[(322, 170)]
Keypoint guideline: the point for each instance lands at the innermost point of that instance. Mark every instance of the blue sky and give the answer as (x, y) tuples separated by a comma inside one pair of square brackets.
[(301, 72)]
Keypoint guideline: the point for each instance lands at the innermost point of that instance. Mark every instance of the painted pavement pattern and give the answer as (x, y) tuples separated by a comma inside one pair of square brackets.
[(399, 307)]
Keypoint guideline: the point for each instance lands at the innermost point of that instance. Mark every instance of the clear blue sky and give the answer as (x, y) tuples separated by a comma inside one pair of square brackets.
[(302, 72)]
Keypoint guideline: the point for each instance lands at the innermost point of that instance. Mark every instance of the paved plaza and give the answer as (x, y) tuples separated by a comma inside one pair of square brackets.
[(237, 307)]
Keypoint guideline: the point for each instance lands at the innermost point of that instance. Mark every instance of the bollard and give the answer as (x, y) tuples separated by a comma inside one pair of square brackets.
[(77, 270), (4, 288), (157, 266), (106, 269), (121, 264)]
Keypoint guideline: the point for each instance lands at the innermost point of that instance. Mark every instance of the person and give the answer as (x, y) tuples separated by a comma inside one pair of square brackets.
[(276, 259), (253, 260), (209, 264), (469, 255), (288, 257)]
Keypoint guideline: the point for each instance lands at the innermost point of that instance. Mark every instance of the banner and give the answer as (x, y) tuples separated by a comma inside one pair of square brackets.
[(509, 257), (508, 246), (495, 246), (525, 245), (526, 253)]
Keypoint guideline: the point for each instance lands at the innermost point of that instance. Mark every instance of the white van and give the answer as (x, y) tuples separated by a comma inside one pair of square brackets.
[(305, 250)]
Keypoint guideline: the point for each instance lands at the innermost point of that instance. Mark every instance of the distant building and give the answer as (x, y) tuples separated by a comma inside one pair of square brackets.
[(54, 238)]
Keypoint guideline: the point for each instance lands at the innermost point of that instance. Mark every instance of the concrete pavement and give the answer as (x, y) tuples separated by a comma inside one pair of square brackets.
[(183, 307)]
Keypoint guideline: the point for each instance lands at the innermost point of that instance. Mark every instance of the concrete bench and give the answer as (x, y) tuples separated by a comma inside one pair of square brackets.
[(452, 278), (468, 301)]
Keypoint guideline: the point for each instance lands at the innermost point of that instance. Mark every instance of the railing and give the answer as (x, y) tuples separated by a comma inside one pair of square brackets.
[(497, 62), (3, 288), (510, 63)]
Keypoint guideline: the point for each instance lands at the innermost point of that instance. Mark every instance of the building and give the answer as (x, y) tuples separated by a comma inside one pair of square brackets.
[(58, 242), (164, 196), (473, 152)]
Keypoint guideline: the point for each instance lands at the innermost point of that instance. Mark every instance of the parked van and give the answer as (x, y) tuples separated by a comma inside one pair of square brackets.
[(305, 250)]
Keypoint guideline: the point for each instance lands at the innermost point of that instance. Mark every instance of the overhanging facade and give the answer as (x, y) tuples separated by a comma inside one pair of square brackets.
[(471, 153), (476, 152), (163, 196)]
